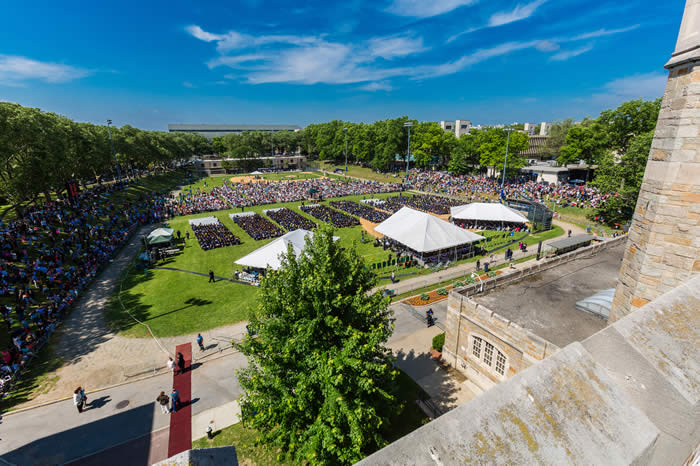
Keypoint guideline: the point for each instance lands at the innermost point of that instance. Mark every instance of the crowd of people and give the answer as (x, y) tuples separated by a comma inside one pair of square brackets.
[(232, 195), (491, 225), (428, 203), (290, 220), (214, 235), (359, 210), (258, 227), (478, 188), (328, 215), (50, 254)]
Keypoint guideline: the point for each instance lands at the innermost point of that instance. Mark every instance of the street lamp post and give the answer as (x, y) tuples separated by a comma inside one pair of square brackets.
[(345, 130), (408, 125), (114, 156), (476, 276), (505, 162)]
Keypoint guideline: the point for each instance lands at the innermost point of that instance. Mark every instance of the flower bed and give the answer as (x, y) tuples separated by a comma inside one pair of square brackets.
[(439, 294)]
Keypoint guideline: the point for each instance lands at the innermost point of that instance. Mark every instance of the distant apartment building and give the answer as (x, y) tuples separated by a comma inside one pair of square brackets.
[(529, 129), (545, 128), (458, 127)]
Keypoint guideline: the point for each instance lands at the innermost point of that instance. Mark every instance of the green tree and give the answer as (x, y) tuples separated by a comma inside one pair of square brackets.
[(492, 148), (429, 141), (557, 138), (586, 142), (320, 383), (628, 120), (623, 178)]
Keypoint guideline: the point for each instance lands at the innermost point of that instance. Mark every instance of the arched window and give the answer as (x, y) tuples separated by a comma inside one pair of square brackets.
[(489, 355)]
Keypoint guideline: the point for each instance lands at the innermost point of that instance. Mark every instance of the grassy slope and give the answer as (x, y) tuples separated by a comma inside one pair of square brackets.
[(36, 378)]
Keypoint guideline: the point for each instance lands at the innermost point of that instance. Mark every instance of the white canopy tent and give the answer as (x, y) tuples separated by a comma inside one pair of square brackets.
[(269, 255), (487, 212), (424, 233)]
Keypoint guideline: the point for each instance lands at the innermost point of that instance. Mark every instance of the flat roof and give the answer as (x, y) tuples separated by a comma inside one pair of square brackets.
[(545, 304), (572, 241)]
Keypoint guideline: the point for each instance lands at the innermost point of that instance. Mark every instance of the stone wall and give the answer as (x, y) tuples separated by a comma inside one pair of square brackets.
[(467, 319), (664, 241)]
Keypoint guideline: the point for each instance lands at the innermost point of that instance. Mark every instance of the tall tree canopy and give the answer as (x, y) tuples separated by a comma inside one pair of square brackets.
[(40, 152), (320, 384)]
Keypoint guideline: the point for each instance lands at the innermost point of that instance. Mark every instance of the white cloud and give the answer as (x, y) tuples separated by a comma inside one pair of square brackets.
[(645, 86), (200, 34), (566, 54), (425, 8), (188, 84), (16, 70), (397, 46), (520, 12), (376, 86), (603, 32)]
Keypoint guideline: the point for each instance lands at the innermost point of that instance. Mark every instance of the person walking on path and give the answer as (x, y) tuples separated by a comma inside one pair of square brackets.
[(171, 365), (163, 400), (181, 363), (200, 341), (569, 234), (175, 399), (211, 276), (79, 399), (393, 277)]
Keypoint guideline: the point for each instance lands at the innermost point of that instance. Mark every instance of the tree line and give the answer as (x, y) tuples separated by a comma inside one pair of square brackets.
[(40, 152)]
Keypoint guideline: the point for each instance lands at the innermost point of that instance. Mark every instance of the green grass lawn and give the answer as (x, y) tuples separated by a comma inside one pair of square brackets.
[(176, 303), (250, 452)]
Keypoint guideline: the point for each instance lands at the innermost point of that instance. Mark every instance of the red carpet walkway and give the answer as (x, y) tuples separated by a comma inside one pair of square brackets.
[(181, 421)]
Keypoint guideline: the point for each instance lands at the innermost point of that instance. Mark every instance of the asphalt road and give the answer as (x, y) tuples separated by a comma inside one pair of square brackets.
[(57, 433)]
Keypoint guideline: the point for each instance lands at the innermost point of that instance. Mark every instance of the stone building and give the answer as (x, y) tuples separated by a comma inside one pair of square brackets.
[(492, 335), (664, 242)]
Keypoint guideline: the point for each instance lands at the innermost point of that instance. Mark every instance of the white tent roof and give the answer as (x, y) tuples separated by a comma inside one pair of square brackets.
[(491, 212), (424, 232), (269, 255)]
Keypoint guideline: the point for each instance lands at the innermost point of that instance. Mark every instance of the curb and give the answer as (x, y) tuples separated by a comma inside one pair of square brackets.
[(108, 387)]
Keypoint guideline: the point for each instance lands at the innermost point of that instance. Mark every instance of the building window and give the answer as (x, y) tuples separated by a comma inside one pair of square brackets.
[(500, 363), (476, 348), (488, 353), (448, 127), (464, 126)]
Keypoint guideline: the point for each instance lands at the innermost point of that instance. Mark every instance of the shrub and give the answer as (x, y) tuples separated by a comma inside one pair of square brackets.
[(442, 291), (469, 281), (457, 284), (424, 296), (439, 342), (492, 274)]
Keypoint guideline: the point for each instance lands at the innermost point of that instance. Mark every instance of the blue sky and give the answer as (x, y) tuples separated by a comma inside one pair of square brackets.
[(151, 63)]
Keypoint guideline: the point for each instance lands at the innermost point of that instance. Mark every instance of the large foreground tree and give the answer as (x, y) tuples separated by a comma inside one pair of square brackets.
[(320, 384)]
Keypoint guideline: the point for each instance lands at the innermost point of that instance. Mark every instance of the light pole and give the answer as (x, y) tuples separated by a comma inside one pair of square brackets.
[(114, 156), (476, 276), (345, 130), (408, 125), (505, 162)]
